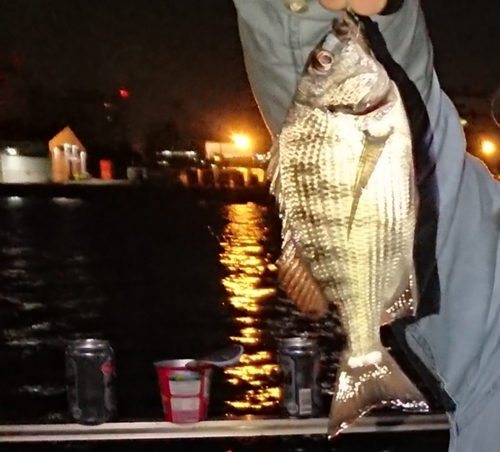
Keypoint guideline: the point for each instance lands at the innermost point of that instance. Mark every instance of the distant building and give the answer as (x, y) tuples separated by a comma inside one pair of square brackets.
[(227, 151), (24, 162), (39, 160), (179, 158), (68, 156)]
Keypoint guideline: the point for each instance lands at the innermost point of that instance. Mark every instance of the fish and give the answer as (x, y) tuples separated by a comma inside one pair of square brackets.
[(341, 170)]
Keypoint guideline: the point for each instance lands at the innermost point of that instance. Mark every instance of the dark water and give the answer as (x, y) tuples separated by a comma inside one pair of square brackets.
[(159, 276)]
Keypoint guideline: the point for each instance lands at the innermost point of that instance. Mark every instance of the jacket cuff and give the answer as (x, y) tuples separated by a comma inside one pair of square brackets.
[(393, 6)]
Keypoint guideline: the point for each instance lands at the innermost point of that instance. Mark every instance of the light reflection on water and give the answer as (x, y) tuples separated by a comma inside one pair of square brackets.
[(64, 275), (246, 263)]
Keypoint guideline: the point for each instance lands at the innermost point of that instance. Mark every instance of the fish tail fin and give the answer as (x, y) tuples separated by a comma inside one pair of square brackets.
[(371, 381)]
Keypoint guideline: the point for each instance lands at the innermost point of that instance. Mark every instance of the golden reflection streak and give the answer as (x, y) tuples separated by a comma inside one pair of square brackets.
[(245, 340), (246, 263), (246, 320)]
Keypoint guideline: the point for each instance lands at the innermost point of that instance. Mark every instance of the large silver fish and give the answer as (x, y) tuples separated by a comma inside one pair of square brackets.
[(342, 172)]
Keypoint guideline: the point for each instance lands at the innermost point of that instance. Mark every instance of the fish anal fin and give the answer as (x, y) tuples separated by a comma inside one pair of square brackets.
[(370, 155), (413, 290), (301, 287), (371, 381)]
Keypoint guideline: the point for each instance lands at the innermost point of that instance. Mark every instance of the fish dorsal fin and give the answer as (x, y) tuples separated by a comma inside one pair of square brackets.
[(372, 150), (295, 278), (272, 171)]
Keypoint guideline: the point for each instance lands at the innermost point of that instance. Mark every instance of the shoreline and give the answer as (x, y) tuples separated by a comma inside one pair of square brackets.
[(123, 187)]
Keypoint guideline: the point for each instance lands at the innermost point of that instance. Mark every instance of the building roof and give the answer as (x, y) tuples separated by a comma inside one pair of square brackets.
[(65, 136)]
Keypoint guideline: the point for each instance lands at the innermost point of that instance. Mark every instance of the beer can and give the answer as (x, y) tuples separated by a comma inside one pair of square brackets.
[(90, 385), (299, 360)]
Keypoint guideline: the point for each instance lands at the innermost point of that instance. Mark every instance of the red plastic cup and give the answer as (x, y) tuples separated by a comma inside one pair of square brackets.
[(185, 392)]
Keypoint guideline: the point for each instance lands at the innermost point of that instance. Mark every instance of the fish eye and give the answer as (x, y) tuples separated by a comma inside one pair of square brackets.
[(324, 58), (322, 61)]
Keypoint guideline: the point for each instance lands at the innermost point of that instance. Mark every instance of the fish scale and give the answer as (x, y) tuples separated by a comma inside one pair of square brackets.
[(342, 172)]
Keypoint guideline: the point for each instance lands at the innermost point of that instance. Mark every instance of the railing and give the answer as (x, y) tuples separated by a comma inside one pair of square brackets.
[(215, 429)]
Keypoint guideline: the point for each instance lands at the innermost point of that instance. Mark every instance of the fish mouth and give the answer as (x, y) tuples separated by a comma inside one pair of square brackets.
[(348, 26)]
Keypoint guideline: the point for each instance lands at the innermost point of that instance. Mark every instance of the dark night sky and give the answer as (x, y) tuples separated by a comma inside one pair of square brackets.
[(166, 51)]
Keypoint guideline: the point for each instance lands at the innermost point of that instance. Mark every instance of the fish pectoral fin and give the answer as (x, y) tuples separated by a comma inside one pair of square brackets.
[(372, 150), (300, 286), (371, 381)]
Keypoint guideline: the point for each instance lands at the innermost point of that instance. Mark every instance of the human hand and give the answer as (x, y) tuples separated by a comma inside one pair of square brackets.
[(361, 7)]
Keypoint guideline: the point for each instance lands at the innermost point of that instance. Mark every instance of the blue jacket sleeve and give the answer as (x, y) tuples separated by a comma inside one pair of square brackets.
[(460, 340)]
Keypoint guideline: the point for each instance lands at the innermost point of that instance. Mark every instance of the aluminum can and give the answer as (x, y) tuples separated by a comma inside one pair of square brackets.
[(299, 360), (90, 381)]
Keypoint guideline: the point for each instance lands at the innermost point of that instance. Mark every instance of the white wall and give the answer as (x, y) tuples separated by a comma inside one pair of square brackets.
[(19, 169)]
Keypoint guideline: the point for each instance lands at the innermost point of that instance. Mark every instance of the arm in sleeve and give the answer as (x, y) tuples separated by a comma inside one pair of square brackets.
[(463, 335)]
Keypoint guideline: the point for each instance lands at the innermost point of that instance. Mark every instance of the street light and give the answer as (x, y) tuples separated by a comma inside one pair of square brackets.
[(241, 141), (488, 147)]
